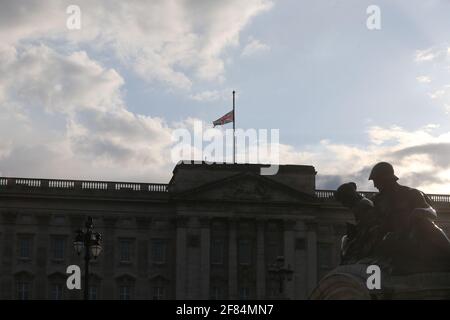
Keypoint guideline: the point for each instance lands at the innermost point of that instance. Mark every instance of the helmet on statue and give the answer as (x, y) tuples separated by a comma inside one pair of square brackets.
[(382, 170)]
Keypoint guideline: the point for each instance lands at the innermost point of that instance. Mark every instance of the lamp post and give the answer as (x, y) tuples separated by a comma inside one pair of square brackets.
[(90, 241), (277, 271)]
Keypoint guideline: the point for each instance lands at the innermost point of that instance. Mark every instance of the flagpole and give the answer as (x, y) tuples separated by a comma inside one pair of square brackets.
[(234, 128)]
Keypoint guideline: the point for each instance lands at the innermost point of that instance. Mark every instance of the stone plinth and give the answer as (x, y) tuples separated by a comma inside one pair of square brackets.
[(349, 283)]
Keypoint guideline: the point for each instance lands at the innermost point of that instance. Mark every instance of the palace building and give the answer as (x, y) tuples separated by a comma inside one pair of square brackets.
[(213, 232)]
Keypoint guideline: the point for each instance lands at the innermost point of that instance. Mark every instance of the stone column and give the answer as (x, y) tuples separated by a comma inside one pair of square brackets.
[(232, 260), (205, 257), (42, 243), (289, 256), (260, 260), (108, 262), (181, 248), (141, 257), (311, 236)]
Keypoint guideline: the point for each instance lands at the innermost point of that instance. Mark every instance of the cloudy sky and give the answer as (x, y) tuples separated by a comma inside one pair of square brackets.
[(102, 102)]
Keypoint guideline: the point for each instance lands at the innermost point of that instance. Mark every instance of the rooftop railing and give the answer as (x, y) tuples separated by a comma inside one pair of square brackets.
[(82, 185), (325, 195), (329, 195)]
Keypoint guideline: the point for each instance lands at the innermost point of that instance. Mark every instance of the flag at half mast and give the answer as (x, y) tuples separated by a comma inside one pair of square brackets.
[(227, 118)]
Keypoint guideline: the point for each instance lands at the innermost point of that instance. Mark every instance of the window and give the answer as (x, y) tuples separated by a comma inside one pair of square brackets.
[(244, 251), (217, 249), (58, 247), (24, 247), (93, 292), (125, 246), (158, 251), (56, 291), (23, 289), (244, 293), (125, 287), (125, 292), (158, 293), (158, 287)]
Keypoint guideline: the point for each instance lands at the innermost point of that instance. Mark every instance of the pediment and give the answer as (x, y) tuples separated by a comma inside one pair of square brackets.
[(246, 187), (159, 277)]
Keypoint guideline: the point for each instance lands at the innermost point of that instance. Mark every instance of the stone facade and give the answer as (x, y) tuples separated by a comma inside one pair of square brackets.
[(211, 233)]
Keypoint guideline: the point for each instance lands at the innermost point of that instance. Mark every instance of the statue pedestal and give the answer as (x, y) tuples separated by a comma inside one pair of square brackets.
[(348, 282)]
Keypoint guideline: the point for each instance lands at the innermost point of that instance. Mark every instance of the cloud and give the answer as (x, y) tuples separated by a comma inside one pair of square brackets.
[(64, 116), (171, 42), (436, 53), (437, 153), (207, 95), (437, 94), (39, 76), (421, 158), (423, 79), (436, 62), (63, 113), (426, 55), (254, 46), (66, 110)]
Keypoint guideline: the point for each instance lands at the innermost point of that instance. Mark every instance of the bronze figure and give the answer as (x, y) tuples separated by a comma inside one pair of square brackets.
[(395, 229)]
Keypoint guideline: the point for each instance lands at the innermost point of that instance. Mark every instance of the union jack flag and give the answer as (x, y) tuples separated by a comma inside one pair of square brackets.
[(229, 117)]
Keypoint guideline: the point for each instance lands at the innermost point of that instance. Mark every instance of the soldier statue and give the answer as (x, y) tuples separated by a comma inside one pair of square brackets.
[(396, 228)]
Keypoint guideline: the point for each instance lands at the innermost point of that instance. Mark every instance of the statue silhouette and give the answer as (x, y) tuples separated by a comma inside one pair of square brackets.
[(397, 228)]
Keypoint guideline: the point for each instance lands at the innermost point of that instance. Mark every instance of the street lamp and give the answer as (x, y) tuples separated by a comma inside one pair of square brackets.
[(90, 241), (277, 271)]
